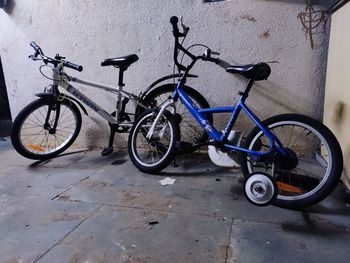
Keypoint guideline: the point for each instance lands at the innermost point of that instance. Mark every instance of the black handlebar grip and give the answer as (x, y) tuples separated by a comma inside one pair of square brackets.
[(74, 66), (34, 45), (174, 20)]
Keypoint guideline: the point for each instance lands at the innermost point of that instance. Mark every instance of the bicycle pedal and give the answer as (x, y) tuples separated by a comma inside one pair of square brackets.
[(107, 151)]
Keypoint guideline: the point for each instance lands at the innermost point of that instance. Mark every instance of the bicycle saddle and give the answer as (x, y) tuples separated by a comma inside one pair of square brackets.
[(120, 62), (258, 71)]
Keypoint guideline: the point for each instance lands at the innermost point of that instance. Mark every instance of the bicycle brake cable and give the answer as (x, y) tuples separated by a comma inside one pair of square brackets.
[(40, 70)]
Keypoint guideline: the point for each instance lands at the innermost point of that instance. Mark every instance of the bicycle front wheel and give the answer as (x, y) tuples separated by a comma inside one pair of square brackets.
[(315, 165), (191, 132), (34, 134), (153, 154)]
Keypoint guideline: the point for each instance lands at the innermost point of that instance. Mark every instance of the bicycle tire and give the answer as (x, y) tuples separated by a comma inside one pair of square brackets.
[(39, 151), (191, 132), (324, 186), (137, 129)]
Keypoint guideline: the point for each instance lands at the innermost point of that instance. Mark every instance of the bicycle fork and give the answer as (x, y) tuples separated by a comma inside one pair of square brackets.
[(47, 125), (171, 104)]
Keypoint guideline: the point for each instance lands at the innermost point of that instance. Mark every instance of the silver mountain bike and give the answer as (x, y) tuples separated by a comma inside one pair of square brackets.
[(49, 125)]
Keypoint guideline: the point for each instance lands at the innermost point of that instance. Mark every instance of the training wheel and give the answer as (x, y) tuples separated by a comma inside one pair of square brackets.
[(260, 188)]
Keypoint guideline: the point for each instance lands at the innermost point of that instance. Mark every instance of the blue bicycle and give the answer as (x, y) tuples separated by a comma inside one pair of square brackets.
[(291, 160)]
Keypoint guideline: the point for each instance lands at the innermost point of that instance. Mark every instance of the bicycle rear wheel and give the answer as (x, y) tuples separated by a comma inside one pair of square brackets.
[(33, 133), (315, 165)]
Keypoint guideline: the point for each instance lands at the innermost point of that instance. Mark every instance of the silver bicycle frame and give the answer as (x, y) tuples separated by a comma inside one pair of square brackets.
[(60, 80)]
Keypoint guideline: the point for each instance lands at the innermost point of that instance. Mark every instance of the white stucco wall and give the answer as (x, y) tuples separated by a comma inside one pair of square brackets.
[(244, 31)]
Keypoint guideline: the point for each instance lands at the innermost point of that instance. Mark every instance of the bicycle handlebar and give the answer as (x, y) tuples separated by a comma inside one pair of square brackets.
[(55, 61), (174, 20), (177, 34), (34, 45), (73, 66)]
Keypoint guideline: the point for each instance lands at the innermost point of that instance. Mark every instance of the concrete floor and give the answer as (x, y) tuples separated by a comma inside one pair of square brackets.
[(83, 207)]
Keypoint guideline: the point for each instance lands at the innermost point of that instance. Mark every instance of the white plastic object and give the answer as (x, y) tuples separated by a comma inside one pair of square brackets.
[(222, 159), (167, 181)]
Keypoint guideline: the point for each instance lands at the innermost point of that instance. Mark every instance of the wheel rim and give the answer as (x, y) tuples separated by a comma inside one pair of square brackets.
[(156, 150), (35, 139), (191, 131), (296, 184)]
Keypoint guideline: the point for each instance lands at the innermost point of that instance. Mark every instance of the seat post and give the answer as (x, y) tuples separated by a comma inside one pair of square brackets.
[(121, 75), (120, 89), (247, 88)]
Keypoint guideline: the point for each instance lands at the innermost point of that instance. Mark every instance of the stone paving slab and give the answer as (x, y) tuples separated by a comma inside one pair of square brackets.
[(125, 235), (25, 183), (31, 227), (312, 241)]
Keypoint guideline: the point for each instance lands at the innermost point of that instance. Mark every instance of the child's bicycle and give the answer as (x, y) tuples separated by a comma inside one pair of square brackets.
[(291, 160), (49, 125)]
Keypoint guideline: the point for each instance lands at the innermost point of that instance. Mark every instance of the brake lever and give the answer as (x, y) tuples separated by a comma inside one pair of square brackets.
[(184, 27), (32, 57), (35, 56)]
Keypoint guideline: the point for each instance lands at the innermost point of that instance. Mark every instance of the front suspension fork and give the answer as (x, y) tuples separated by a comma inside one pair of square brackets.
[(56, 106)]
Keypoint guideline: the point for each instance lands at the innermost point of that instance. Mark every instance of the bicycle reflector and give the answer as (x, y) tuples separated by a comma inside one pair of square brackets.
[(35, 147)]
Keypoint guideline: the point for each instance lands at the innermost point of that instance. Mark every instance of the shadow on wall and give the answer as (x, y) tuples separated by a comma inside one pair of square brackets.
[(8, 5), (281, 97), (97, 134), (94, 132)]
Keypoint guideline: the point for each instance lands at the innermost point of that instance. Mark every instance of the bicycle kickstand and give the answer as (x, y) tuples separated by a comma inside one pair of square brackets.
[(108, 150), (175, 164)]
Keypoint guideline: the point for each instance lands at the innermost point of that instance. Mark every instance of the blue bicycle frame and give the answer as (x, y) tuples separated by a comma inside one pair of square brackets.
[(221, 137)]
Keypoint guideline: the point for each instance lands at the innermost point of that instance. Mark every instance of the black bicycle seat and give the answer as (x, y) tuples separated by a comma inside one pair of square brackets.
[(120, 62), (258, 71)]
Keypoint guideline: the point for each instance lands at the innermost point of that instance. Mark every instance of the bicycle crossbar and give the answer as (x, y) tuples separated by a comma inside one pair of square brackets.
[(99, 85)]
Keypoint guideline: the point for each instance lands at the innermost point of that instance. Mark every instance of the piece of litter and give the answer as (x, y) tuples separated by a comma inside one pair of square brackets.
[(133, 245), (218, 179), (224, 218), (169, 206), (153, 222), (167, 181)]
